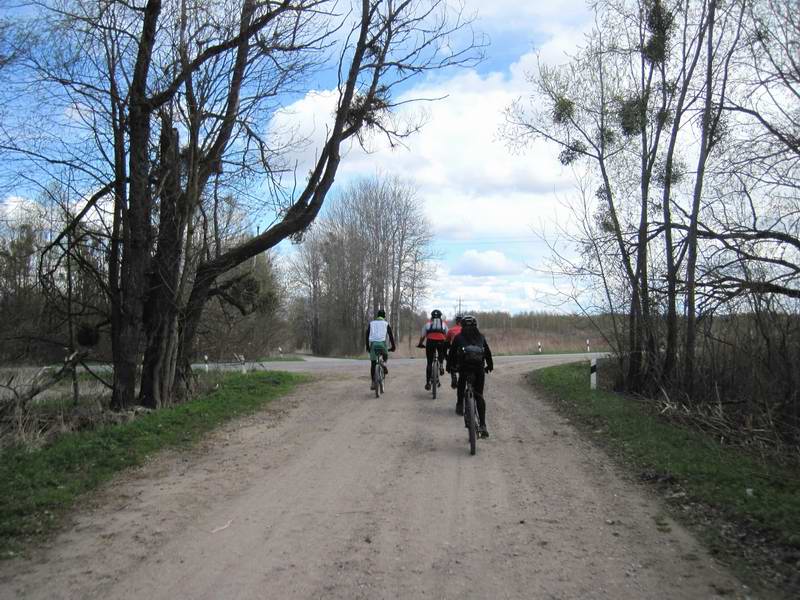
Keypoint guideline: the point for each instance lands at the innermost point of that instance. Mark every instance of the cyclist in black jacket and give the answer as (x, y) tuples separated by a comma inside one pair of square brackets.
[(470, 355)]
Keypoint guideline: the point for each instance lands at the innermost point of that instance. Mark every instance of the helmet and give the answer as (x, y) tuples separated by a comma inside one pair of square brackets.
[(458, 319), (381, 314), (436, 314), (469, 321)]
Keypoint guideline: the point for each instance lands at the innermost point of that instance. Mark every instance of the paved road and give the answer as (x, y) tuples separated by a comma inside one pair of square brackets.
[(332, 493)]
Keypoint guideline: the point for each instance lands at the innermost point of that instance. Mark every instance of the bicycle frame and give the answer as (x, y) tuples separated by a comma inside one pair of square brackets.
[(471, 414), (435, 374), (378, 377)]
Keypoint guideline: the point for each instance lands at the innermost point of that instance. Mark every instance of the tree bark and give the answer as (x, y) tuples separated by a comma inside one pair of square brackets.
[(136, 221), (161, 308)]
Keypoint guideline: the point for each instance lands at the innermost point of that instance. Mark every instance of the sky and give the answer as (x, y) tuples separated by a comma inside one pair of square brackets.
[(487, 204)]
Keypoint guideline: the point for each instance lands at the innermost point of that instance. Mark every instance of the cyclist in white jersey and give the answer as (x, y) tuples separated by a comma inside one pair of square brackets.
[(377, 332)]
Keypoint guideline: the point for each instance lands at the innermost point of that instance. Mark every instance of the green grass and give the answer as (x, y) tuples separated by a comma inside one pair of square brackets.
[(550, 353), (707, 471), (39, 486)]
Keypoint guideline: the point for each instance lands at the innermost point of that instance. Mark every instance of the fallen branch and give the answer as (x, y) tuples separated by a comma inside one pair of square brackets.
[(43, 380)]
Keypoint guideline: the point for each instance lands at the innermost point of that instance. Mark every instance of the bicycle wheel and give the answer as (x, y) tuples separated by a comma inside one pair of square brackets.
[(434, 377), (471, 416), (378, 379)]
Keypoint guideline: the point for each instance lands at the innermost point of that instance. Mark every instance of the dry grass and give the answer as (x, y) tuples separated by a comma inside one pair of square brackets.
[(53, 411), (524, 341)]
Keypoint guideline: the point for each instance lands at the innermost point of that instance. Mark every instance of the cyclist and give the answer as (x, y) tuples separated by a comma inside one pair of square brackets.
[(451, 335), (377, 332), (434, 336), (470, 355)]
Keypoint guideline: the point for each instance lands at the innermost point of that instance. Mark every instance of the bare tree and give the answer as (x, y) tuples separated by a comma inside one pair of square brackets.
[(632, 103), (165, 98), (368, 253), (305, 274), (755, 236)]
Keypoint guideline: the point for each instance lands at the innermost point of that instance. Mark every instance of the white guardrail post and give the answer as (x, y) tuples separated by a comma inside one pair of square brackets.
[(593, 374)]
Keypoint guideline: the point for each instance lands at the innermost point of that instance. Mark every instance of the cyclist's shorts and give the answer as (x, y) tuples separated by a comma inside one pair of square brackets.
[(375, 347)]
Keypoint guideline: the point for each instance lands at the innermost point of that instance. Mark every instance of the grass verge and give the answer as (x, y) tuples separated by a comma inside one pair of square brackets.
[(746, 509), (551, 353), (40, 485)]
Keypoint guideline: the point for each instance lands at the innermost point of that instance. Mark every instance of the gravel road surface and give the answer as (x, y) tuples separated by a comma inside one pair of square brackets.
[(332, 493)]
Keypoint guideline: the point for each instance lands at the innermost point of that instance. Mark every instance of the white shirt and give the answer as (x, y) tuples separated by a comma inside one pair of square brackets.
[(377, 330)]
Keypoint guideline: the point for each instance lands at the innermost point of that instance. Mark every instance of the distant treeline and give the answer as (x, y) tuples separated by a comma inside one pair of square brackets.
[(42, 318)]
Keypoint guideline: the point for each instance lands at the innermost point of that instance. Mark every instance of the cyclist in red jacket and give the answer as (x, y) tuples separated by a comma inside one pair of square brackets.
[(451, 335), (434, 336)]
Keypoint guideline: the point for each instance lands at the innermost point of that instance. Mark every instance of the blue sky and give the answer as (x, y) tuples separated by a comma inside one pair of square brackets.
[(487, 204)]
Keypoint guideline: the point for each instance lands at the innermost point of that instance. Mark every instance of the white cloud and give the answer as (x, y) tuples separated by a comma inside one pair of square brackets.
[(525, 291), (460, 144), (489, 262), (16, 210), (527, 16), (306, 121)]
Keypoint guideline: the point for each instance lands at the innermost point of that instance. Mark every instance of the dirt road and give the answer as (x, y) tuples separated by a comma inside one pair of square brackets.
[(332, 493)]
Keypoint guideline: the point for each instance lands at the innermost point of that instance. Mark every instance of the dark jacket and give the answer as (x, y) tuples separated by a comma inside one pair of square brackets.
[(468, 338)]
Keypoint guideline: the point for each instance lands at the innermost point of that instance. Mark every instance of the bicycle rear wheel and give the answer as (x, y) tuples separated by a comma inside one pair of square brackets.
[(377, 380), (435, 377), (471, 416)]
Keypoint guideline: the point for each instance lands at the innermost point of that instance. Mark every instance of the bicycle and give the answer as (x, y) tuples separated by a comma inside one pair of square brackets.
[(435, 371), (471, 414), (377, 378), (435, 374)]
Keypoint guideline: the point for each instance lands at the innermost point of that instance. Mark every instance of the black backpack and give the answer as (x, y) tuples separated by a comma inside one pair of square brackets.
[(472, 355)]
